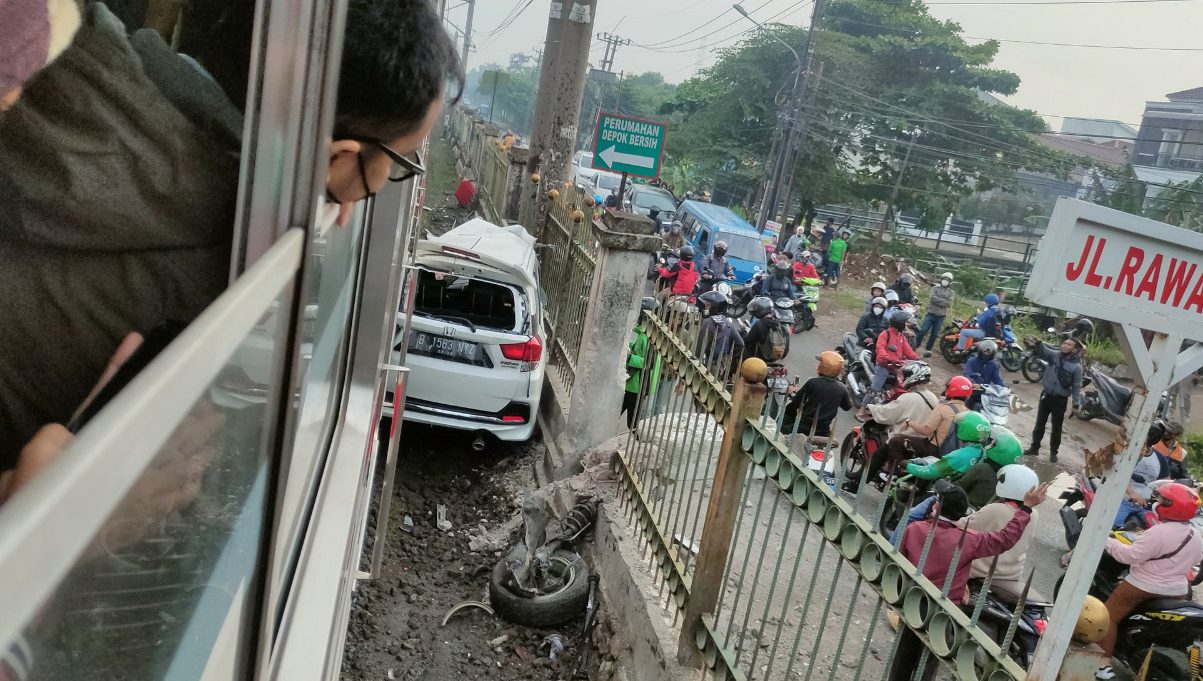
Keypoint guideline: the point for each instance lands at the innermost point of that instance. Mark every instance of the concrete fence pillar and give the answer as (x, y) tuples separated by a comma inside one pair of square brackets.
[(625, 244), (514, 194)]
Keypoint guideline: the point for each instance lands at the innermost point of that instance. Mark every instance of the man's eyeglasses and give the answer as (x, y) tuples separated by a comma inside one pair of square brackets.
[(412, 166)]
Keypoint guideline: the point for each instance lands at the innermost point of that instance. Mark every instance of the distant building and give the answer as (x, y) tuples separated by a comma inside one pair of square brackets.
[(1099, 131), (1169, 146)]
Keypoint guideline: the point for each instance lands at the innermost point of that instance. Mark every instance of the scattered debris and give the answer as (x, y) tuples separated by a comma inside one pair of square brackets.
[(466, 604), (556, 644), (407, 525), (499, 640), (441, 521)]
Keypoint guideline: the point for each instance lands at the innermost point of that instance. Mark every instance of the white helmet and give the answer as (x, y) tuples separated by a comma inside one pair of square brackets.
[(879, 302), (891, 295), (1014, 482), (946, 275), (878, 284)]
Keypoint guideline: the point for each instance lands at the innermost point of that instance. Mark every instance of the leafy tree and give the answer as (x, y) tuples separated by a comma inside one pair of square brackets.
[(513, 106), (889, 71), (1179, 204), (639, 95)]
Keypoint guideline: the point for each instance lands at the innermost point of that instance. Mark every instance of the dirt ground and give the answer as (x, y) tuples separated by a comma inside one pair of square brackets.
[(395, 630)]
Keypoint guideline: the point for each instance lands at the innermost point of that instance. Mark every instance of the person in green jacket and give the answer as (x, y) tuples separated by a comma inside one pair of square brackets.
[(836, 251), (636, 356), (980, 481), (973, 432)]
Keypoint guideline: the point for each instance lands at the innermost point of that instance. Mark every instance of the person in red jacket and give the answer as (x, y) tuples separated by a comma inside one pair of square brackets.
[(951, 505), (892, 348), (804, 268), (682, 276)]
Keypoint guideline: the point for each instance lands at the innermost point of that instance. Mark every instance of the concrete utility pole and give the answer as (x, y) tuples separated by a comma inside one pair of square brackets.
[(468, 35), (785, 132), (885, 219), (561, 87)]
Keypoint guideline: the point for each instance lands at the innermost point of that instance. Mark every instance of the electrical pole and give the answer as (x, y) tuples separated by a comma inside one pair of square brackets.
[(885, 219), (784, 154), (468, 35), (612, 42), (795, 146), (558, 102)]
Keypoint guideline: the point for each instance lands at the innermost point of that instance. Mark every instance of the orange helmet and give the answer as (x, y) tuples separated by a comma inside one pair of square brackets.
[(959, 386), (1175, 501), (830, 363)]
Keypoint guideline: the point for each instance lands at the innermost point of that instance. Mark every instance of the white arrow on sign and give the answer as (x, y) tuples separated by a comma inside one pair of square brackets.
[(611, 156)]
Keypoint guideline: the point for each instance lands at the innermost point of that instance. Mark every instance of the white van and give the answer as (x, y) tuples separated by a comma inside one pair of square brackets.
[(476, 355)]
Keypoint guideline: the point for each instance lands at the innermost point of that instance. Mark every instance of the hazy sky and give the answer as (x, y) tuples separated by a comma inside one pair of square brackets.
[(1063, 81)]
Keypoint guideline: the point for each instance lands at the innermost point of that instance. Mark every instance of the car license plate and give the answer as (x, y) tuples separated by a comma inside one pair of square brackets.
[(453, 349)]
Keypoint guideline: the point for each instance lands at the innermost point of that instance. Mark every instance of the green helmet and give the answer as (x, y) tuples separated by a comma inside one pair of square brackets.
[(1004, 448), (972, 427)]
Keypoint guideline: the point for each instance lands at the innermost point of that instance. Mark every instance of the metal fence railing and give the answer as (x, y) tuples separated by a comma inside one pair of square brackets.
[(568, 252), (479, 148), (770, 572)]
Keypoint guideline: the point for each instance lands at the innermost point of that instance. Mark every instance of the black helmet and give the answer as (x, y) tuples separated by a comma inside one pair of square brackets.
[(1157, 431), (720, 248), (899, 317), (714, 301), (1083, 327), (648, 303), (1173, 428), (906, 278), (686, 253), (760, 306), (987, 348), (653, 211), (954, 504), (782, 267)]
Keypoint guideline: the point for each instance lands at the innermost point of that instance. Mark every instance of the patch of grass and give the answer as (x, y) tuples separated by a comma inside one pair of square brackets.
[(440, 176), (847, 299), (1193, 442), (1104, 351)]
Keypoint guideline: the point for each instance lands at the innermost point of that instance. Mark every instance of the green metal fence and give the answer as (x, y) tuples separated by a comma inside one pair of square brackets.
[(769, 571)]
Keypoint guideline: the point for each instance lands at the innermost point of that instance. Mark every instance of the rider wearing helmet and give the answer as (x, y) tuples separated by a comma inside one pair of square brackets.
[(987, 323), (804, 268), (892, 347), (1160, 559), (715, 267), (762, 330), (873, 322), (636, 354), (877, 290), (1003, 449), (937, 308), (973, 433), (1009, 485), (683, 275), (903, 286), (812, 409), (654, 214), (719, 344), (891, 297), (781, 283), (1170, 454), (913, 406), (948, 547), (674, 239), (1139, 494), (982, 368), (939, 424)]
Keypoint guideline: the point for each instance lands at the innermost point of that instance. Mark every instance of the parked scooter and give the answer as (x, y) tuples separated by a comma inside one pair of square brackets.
[(903, 494), (1108, 400), (1169, 627), (744, 295), (665, 257), (858, 375), (1008, 353)]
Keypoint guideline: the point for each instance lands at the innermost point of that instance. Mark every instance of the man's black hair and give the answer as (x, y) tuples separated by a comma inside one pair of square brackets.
[(396, 58)]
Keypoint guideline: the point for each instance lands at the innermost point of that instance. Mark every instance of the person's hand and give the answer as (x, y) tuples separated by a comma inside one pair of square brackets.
[(1036, 495), (45, 446)]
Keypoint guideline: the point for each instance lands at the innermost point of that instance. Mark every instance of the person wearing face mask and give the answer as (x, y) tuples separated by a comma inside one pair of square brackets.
[(877, 290), (714, 268), (872, 323), (1171, 454), (938, 304), (145, 234), (1062, 382)]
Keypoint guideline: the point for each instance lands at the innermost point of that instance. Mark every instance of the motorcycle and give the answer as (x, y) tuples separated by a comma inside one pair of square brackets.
[(750, 289), (1108, 400), (994, 402), (998, 612), (1008, 352), (783, 310), (1071, 513), (1171, 629), (858, 375), (858, 449), (904, 493), (665, 257), (808, 302)]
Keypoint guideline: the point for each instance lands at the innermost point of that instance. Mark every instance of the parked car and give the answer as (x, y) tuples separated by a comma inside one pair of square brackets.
[(582, 169), (641, 198), (604, 183), (706, 223), (476, 358)]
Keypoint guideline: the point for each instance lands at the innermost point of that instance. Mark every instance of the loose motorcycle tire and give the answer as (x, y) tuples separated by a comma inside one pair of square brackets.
[(852, 455), (1033, 369), (542, 611), (1011, 358)]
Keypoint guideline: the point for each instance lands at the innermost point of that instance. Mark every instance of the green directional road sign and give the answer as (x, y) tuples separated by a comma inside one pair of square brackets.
[(628, 145)]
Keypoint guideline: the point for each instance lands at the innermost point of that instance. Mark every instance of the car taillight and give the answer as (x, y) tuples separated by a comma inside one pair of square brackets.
[(513, 419), (530, 351)]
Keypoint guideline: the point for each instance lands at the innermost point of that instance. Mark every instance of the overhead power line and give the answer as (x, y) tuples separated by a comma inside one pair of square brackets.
[(914, 32), (687, 46)]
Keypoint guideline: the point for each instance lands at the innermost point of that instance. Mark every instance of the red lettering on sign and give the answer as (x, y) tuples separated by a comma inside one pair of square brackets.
[(1148, 285), (1072, 271), (1092, 277), (1176, 280), (1127, 273), (1196, 297)]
